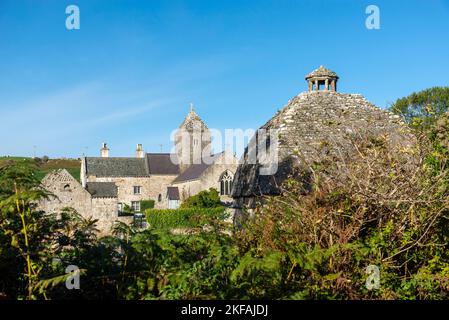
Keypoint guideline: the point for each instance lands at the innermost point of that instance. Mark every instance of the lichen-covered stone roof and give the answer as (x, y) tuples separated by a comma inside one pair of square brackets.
[(322, 72), (310, 120)]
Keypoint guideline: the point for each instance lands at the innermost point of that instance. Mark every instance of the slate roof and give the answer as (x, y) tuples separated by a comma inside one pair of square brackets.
[(116, 167), (193, 172), (102, 189), (153, 163), (173, 193), (161, 163)]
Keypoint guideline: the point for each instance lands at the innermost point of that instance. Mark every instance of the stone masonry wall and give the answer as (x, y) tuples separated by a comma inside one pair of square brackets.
[(125, 186), (151, 187), (105, 211), (159, 186), (209, 179), (67, 192)]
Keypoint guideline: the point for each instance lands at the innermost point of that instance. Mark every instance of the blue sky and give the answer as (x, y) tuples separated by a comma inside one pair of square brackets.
[(128, 75)]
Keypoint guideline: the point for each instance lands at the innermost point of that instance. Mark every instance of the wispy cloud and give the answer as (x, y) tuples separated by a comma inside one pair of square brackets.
[(67, 116), (121, 115), (62, 121)]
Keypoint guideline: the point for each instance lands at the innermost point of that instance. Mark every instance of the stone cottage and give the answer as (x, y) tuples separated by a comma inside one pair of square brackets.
[(109, 184), (321, 115)]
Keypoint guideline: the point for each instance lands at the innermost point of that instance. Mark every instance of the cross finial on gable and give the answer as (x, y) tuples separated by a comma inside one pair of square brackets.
[(191, 107)]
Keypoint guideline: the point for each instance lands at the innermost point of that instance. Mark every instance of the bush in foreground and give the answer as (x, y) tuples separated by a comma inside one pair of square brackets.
[(183, 217)]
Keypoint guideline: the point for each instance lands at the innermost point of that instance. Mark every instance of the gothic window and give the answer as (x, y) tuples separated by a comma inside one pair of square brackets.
[(226, 183)]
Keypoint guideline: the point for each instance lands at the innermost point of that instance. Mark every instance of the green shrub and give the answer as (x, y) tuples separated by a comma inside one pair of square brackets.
[(183, 218), (204, 199), (126, 211), (370, 208), (146, 204)]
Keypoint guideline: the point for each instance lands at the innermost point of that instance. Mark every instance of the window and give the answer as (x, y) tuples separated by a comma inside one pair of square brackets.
[(135, 205), (159, 198), (120, 208), (226, 183), (139, 221), (173, 204), (137, 189)]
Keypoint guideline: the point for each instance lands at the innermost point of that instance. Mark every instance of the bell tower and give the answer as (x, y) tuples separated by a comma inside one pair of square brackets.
[(192, 140)]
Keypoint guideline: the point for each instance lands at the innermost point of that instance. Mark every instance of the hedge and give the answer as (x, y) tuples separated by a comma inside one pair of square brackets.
[(182, 218), (146, 204)]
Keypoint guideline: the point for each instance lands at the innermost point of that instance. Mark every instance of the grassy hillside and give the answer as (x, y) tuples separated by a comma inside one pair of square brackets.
[(71, 165)]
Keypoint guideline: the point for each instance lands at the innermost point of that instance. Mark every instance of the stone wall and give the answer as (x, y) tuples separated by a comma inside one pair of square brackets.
[(210, 178), (105, 210), (314, 125), (159, 184), (188, 188), (151, 188), (125, 187), (67, 192)]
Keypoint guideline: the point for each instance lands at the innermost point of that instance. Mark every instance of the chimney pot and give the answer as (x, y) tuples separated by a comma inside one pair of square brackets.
[(104, 151), (139, 151)]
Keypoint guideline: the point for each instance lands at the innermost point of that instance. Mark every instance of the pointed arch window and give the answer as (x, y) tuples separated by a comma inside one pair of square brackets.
[(226, 183)]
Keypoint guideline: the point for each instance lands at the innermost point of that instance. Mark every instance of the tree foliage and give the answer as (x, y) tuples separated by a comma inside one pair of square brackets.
[(204, 199), (422, 109)]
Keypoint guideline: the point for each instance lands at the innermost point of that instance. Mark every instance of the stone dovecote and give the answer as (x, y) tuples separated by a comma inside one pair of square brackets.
[(308, 121)]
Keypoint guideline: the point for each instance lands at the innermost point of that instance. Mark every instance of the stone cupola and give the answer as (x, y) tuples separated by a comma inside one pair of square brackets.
[(322, 79)]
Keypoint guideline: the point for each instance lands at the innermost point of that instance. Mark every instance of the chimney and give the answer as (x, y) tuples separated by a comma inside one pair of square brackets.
[(104, 151), (139, 151)]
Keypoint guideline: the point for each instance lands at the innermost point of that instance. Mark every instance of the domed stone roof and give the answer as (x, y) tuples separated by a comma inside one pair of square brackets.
[(305, 124), (321, 72)]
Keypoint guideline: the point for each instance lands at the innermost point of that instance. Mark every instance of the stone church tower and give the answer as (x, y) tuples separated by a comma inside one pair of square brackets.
[(192, 141)]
